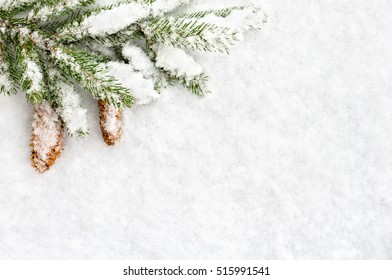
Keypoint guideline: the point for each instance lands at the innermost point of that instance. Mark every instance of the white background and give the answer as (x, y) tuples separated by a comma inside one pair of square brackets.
[(289, 158)]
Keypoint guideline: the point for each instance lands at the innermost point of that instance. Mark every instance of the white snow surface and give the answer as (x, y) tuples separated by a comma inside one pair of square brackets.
[(290, 157)]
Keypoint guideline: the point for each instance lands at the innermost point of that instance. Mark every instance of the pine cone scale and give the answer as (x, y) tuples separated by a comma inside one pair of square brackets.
[(47, 138), (110, 119)]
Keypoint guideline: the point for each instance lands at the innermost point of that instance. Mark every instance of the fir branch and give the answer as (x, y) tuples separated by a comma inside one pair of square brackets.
[(32, 78), (13, 8), (49, 48), (196, 85), (118, 39), (87, 69), (140, 61), (220, 13), (245, 17), (12, 52), (50, 9), (51, 26), (191, 34), (5, 83), (68, 105), (85, 25), (89, 23)]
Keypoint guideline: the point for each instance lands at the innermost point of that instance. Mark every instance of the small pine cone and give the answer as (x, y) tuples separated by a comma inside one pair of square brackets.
[(110, 119), (47, 139)]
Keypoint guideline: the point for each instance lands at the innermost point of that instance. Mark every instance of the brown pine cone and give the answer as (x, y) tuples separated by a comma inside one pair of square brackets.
[(110, 119), (47, 139)]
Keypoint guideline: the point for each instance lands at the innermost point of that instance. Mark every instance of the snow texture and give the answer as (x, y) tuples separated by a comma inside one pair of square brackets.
[(177, 62), (6, 4), (71, 112), (141, 89), (139, 61), (5, 83), (33, 73), (122, 16), (159, 7), (240, 20), (290, 157), (116, 19)]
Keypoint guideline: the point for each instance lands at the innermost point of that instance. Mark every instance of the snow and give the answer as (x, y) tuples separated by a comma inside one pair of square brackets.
[(33, 73), (211, 37), (289, 157), (241, 20), (5, 83), (141, 89), (71, 112), (6, 4), (160, 7), (157, 8), (177, 62), (54, 8), (139, 61), (114, 20)]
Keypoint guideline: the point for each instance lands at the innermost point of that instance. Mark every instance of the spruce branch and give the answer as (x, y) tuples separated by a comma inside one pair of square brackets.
[(67, 103), (88, 70), (50, 9), (191, 34), (12, 52), (5, 82), (123, 54), (32, 76), (220, 12)]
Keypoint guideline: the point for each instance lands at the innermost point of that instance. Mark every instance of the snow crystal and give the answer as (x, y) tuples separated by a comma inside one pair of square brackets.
[(139, 61), (240, 20), (45, 11), (156, 8), (70, 110), (102, 3), (159, 7), (141, 89), (104, 50), (114, 20), (177, 61), (5, 4), (24, 31), (5, 82), (34, 74)]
